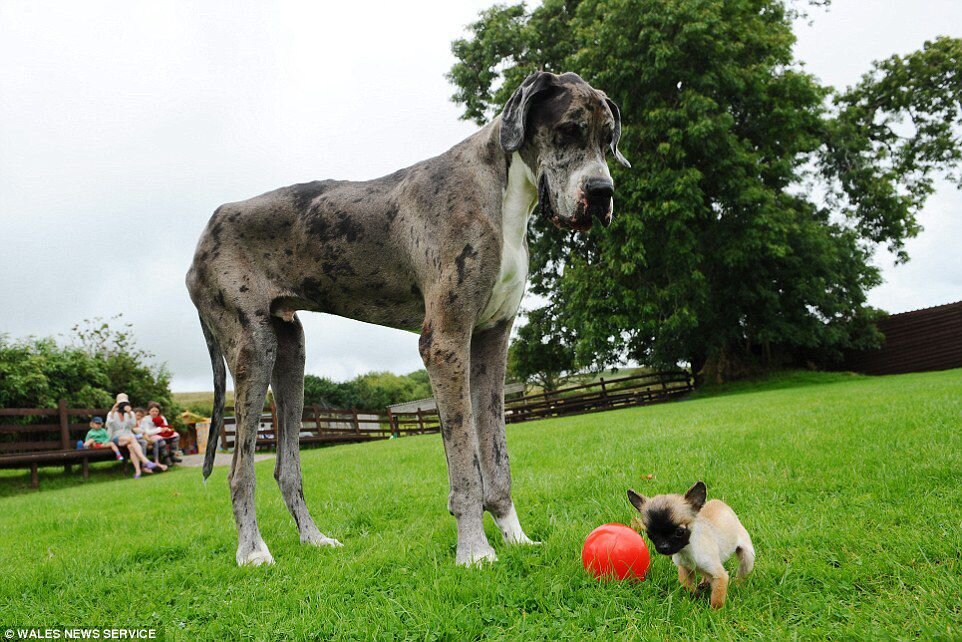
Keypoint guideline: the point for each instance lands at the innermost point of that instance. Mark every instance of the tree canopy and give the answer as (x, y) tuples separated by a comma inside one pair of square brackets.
[(744, 231), (371, 391)]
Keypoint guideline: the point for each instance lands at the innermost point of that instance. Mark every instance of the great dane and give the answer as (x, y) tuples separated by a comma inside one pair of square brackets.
[(438, 248)]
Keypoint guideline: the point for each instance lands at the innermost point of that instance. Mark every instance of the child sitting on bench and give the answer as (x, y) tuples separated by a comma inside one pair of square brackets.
[(97, 437)]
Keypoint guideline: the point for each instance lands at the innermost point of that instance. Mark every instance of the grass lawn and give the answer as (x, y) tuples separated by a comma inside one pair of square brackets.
[(850, 487)]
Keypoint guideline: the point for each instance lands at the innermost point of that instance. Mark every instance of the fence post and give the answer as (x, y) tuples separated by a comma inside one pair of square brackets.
[(317, 420), (357, 425), (390, 422), (420, 421), (604, 393), (274, 426), (64, 424)]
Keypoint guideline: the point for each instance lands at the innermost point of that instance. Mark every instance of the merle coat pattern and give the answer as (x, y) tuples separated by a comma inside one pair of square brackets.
[(437, 248)]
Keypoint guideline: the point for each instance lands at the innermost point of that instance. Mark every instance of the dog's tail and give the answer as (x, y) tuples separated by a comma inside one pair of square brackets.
[(220, 386)]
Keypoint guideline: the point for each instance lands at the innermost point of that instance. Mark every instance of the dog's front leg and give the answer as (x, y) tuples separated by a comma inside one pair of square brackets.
[(489, 358), (719, 587), (687, 578), (445, 347)]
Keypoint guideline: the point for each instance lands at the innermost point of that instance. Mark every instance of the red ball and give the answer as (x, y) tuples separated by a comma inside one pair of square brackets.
[(615, 551)]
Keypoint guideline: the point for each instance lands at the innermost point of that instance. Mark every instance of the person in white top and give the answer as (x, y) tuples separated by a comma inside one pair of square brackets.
[(120, 430)]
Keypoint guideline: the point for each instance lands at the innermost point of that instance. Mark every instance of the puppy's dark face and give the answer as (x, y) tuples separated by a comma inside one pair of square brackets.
[(668, 519)]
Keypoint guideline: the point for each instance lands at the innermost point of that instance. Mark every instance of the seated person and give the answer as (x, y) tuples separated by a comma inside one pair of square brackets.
[(150, 433), (120, 427), (97, 438), (163, 431)]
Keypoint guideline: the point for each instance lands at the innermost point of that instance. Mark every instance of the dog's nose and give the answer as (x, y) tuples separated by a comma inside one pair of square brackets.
[(599, 190)]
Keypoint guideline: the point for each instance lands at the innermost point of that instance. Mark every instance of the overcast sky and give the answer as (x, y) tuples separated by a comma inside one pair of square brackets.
[(123, 125)]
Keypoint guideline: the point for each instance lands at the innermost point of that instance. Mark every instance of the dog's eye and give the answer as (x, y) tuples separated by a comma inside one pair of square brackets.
[(572, 130), (680, 531)]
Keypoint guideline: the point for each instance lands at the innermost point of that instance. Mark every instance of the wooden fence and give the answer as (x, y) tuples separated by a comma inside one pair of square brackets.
[(917, 341), (605, 394), (325, 426)]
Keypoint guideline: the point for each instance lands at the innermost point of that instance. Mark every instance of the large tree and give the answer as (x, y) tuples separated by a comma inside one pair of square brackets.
[(744, 231)]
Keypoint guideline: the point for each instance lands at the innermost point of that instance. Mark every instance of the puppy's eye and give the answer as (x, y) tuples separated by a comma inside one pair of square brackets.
[(680, 531)]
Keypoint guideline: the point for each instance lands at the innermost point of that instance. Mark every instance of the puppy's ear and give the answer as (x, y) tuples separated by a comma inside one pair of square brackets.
[(515, 113), (697, 495), (638, 501)]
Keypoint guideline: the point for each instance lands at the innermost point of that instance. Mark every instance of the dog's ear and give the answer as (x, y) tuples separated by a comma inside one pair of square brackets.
[(616, 134), (515, 111), (638, 501), (697, 495)]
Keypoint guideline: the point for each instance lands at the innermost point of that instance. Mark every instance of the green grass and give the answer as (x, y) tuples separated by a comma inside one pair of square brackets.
[(849, 488)]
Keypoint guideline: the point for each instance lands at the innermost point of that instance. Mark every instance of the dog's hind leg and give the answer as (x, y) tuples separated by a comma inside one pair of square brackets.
[(489, 349), (287, 382), (746, 561), (251, 359)]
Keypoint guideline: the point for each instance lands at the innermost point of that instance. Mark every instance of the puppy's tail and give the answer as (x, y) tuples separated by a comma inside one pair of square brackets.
[(220, 385), (746, 560)]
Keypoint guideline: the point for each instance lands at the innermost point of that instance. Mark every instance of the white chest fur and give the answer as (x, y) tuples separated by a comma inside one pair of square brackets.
[(517, 203)]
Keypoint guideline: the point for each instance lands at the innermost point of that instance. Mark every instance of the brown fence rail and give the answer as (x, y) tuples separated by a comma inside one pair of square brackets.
[(325, 426), (605, 394), (917, 341)]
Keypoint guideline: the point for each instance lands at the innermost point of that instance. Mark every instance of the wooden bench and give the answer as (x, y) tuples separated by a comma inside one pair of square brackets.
[(32, 445)]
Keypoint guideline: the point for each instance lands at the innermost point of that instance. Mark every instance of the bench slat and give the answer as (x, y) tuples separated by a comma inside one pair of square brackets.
[(51, 428), (26, 446), (19, 459)]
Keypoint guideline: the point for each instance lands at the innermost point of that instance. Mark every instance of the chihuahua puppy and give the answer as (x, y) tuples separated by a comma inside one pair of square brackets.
[(699, 536)]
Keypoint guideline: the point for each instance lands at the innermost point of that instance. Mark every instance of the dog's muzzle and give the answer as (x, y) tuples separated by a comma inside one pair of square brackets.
[(544, 202), (598, 193)]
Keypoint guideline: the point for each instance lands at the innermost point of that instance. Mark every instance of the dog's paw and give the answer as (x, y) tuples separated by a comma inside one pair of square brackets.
[(511, 529), (520, 539), (320, 540), (476, 556), (260, 556)]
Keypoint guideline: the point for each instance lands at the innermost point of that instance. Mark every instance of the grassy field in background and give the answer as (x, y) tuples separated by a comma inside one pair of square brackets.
[(201, 400), (849, 486)]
